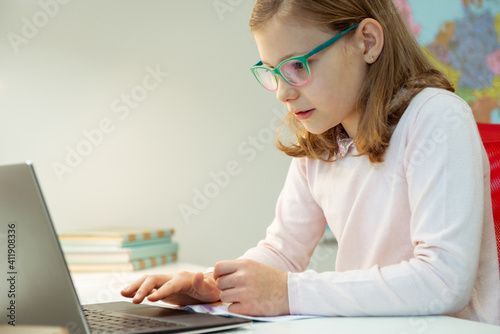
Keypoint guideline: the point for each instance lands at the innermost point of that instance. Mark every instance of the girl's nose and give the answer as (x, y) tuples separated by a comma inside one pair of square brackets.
[(285, 91)]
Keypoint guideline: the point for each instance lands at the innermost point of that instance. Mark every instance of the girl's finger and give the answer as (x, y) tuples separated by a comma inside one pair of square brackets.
[(225, 268), (148, 285), (204, 288), (167, 289), (130, 290)]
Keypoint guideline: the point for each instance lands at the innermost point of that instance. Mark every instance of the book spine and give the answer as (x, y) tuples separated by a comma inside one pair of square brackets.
[(147, 252), (92, 254), (108, 243), (123, 240), (154, 261), (128, 266), (134, 238)]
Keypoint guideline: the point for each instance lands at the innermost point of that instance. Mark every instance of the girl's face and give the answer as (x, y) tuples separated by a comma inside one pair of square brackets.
[(337, 72)]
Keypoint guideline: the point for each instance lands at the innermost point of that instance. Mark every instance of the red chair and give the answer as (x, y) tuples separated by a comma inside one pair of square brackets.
[(490, 134)]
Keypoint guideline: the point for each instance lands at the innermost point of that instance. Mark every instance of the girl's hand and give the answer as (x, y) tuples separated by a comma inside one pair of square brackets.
[(253, 288), (184, 288)]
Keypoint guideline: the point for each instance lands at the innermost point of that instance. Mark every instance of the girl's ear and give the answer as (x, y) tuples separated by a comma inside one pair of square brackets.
[(370, 36)]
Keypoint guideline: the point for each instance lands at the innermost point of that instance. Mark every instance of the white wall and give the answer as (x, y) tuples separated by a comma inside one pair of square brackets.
[(66, 72)]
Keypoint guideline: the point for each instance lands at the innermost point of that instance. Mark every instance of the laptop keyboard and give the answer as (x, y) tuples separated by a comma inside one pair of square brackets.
[(101, 323)]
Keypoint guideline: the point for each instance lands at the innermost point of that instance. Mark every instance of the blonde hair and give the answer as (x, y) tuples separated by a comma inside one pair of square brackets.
[(398, 75)]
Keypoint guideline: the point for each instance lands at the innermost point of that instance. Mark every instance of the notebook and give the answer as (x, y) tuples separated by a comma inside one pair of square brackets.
[(35, 284)]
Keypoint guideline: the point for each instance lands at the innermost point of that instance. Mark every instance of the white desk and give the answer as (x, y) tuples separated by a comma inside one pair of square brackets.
[(105, 287)]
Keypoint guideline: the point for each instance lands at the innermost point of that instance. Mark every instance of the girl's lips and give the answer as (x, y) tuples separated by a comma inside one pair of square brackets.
[(303, 115)]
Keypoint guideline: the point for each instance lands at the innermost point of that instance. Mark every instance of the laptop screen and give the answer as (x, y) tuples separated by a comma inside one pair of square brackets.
[(35, 286)]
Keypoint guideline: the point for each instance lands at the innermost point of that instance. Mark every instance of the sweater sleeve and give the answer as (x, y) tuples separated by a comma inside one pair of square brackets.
[(444, 167), (298, 225)]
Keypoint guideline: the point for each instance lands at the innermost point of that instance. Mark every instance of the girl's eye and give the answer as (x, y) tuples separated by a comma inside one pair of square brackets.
[(297, 65)]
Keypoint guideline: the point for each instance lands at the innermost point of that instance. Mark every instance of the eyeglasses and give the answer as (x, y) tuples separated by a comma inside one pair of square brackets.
[(294, 70)]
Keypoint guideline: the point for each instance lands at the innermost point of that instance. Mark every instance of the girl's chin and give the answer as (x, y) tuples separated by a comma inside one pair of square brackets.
[(316, 131)]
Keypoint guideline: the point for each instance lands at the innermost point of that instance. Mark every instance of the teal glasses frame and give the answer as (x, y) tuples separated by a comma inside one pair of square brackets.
[(259, 71)]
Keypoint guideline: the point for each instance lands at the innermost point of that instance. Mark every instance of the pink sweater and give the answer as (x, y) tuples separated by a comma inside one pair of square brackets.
[(415, 233)]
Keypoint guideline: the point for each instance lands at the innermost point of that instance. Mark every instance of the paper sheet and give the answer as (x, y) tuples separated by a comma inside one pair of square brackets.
[(222, 309)]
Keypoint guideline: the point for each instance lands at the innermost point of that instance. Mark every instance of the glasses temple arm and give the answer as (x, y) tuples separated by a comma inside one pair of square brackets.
[(330, 42)]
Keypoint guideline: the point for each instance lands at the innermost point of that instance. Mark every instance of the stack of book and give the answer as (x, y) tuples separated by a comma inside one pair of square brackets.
[(118, 249)]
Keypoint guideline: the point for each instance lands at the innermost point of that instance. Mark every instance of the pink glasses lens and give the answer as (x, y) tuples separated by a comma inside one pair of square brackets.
[(295, 72), (267, 79)]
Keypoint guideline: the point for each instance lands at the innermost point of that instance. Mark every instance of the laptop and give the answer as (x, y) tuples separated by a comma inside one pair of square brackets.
[(35, 284)]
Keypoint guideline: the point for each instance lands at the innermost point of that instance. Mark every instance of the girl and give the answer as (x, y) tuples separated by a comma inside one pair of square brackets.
[(385, 154)]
